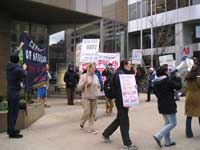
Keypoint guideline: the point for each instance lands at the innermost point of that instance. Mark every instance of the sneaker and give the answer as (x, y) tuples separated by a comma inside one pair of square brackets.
[(46, 105), (157, 141), (131, 147), (16, 136), (93, 131), (81, 125), (106, 139), (172, 144)]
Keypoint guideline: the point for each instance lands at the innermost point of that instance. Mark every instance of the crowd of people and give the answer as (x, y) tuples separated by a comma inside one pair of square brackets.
[(162, 83)]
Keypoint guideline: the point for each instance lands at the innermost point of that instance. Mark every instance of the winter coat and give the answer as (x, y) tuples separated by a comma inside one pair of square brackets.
[(92, 91), (15, 74), (192, 104), (164, 90), (70, 79), (152, 78)]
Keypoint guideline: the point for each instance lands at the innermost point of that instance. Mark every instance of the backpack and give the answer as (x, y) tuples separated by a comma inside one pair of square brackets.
[(109, 87)]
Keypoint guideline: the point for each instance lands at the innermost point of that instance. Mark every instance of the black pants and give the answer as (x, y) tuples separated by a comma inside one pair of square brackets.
[(122, 120), (13, 109), (70, 95), (150, 90), (188, 129)]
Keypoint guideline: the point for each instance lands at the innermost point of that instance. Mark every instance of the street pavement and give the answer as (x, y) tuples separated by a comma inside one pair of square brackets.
[(59, 129)]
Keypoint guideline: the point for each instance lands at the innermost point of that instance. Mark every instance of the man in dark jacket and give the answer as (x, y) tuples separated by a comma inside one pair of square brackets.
[(164, 87), (122, 119), (15, 74), (108, 73), (70, 80)]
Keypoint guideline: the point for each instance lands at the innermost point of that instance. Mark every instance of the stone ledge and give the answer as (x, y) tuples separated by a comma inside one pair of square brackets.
[(34, 112)]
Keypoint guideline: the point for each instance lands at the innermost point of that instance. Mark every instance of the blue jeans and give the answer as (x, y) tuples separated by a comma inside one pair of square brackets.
[(170, 123)]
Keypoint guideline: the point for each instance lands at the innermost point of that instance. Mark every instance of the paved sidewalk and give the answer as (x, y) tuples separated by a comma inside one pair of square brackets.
[(59, 129)]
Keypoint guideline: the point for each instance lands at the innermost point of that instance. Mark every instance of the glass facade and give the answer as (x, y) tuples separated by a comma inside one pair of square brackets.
[(63, 41), (164, 36), (194, 2), (37, 32), (158, 6), (183, 3), (171, 5)]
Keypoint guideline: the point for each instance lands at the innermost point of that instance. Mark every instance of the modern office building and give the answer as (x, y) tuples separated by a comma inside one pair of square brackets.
[(162, 27), (60, 25)]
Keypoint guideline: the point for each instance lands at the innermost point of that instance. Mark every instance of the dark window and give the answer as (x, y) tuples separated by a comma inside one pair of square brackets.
[(171, 5), (183, 3), (144, 14), (138, 10), (160, 6), (148, 6), (164, 36), (194, 2), (133, 11), (146, 38)]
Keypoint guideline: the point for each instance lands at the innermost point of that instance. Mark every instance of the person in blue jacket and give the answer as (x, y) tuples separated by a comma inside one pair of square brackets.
[(151, 77)]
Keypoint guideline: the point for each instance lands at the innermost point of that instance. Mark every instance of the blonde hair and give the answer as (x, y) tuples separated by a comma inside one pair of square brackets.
[(89, 66)]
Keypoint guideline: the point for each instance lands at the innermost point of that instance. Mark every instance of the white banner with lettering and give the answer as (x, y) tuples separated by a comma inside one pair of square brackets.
[(89, 50), (104, 59), (129, 90)]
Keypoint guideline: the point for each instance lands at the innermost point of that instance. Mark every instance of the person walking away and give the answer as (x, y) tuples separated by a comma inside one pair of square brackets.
[(192, 104), (70, 80), (14, 74), (42, 91), (164, 87), (122, 118), (88, 84), (151, 77), (108, 73)]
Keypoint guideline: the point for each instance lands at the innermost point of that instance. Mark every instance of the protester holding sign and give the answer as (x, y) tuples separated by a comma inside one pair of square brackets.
[(122, 119), (164, 87), (15, 74)]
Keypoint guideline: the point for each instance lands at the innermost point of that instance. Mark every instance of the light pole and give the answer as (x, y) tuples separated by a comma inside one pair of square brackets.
[(151, 33)]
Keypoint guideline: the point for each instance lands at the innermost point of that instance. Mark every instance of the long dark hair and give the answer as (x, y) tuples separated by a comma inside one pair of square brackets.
[(192, 75)]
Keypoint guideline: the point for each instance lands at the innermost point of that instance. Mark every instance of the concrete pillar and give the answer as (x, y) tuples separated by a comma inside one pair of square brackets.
[(179, 37)]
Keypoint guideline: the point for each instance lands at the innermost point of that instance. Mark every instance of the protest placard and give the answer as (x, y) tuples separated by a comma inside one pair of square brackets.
[(129, 90), (89, 50), (137, 56)]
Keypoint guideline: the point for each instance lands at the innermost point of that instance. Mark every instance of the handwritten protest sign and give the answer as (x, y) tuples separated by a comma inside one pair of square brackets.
[(129, 90), (89, 50)]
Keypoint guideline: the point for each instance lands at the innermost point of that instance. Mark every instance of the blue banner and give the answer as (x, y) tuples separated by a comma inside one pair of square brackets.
[(36, 60)]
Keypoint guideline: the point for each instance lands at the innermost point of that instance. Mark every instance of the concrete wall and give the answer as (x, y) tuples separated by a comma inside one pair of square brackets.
[(34, 112), (4, 50)]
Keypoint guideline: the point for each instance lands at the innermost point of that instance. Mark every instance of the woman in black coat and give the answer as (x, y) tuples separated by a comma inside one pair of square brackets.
[(164, 87)]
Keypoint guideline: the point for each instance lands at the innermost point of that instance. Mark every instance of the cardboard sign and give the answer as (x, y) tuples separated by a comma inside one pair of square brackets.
[(129, 90), (89, 50), (167, 59), (137, 56)]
